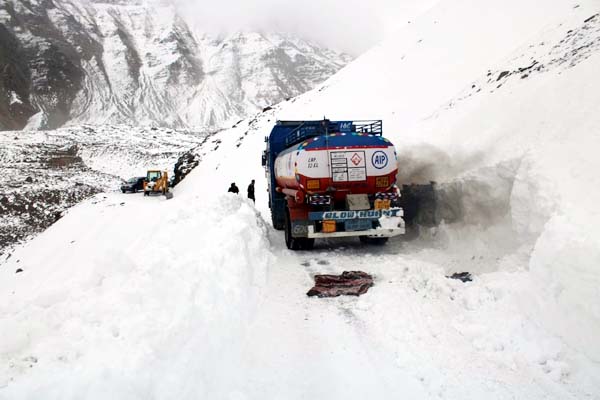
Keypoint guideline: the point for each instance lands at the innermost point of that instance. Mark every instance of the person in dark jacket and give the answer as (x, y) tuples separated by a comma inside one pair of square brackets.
[(251, 191), (233, 188)]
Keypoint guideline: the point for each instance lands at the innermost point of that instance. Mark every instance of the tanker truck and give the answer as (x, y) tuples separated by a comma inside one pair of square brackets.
[(331, 179)]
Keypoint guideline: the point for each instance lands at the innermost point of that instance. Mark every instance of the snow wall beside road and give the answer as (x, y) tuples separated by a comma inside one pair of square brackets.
[(127, 292)]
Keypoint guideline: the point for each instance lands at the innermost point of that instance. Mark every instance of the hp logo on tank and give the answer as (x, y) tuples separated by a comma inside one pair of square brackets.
[(379, 159)]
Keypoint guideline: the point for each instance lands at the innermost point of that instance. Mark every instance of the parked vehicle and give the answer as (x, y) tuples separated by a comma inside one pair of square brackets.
[(133, 184)]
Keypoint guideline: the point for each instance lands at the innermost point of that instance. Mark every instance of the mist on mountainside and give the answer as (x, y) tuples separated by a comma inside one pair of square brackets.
[(351, 26)]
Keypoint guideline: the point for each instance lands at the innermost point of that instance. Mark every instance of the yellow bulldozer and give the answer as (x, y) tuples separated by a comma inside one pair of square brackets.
[(157, 182)]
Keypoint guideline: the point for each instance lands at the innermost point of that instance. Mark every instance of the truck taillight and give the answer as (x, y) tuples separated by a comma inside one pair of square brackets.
[(329, 226), (313, 184)]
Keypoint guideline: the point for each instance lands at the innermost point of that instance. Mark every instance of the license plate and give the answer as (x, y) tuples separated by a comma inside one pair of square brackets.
[(382, 181), (358, 224), (382, 204)]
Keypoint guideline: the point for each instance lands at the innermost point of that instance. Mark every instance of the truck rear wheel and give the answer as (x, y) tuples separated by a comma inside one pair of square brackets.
[(293, 243)]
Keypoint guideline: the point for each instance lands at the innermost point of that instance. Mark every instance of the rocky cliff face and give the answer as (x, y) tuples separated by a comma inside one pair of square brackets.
[(74, 61)]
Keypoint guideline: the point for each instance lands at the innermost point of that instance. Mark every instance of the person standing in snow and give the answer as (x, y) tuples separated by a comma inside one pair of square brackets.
[(233, 188), (251, 191)]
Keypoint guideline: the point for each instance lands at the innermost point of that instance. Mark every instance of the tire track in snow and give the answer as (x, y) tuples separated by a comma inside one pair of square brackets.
[(316, 346)]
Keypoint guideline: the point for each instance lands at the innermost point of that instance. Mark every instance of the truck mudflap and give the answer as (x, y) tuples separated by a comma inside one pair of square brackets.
[(390, 224)]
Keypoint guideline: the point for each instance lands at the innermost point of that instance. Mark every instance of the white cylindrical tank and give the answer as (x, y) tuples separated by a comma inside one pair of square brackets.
[(349, 161)]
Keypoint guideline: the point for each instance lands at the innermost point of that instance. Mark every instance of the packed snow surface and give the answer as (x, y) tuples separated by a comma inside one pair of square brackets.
[(197, 297)]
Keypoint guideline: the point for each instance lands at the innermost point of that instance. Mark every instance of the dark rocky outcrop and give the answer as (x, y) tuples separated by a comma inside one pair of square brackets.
[(14, 83), (42, 66)]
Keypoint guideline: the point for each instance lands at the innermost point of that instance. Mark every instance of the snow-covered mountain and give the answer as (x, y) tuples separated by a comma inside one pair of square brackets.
[(73, 62), (497, 101)]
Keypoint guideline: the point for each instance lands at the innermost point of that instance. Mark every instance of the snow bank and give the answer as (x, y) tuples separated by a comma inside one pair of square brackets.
[(122, 298), (554, 193), (566, 262)]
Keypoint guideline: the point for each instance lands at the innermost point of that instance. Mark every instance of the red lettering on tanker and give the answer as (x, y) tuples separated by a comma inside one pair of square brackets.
[(356, 159)]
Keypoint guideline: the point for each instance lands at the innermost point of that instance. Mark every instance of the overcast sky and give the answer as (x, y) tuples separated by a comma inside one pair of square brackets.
[(349, 25)]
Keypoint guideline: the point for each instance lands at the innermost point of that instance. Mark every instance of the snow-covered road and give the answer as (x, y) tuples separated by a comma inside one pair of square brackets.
[(303, 347), (194, 308), (415, 334)]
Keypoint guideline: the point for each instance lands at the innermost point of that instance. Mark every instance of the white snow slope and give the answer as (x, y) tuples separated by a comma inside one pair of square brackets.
[(197, 297)]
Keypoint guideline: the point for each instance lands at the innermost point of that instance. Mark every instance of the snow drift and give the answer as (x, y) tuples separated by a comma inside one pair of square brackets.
[(140, 311)]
